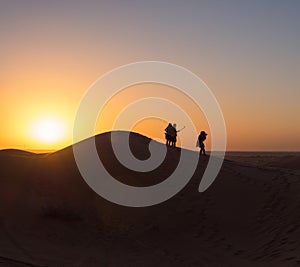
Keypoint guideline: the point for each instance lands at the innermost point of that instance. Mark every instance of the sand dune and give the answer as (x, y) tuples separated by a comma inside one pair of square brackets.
[(248, 217)]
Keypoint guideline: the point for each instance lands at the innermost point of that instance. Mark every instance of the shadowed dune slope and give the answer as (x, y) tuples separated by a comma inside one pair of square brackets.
[(51, 217)]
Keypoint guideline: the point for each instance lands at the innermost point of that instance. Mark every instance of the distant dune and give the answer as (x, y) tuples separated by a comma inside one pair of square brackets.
[(51, 217)]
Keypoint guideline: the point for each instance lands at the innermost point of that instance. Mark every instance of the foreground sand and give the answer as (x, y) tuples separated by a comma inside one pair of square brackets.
[(250, 216)]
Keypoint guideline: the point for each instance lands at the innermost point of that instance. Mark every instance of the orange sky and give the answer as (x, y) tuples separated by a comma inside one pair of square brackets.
[(51, 54)]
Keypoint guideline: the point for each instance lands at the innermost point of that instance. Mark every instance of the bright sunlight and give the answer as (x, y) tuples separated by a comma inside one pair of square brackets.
[(49, 130)]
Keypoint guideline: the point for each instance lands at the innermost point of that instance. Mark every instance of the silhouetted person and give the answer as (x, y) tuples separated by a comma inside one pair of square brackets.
[(173, 135), (201, 139), (168, 132)]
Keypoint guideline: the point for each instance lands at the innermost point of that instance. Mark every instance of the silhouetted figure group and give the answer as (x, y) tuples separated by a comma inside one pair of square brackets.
[(171, 135), (171, 138)]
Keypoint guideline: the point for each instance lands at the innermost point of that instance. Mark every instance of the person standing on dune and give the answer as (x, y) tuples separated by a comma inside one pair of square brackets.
[(173, 135), (168, 131), (201, 139)]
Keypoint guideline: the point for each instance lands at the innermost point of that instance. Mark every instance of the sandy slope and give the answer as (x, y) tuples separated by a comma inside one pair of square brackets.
[(250, 216)]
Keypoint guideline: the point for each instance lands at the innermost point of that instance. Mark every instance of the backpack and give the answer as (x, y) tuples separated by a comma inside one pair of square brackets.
[(202, 136)]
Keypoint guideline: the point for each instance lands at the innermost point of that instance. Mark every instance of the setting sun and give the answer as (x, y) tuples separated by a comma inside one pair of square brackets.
[(48, 130)]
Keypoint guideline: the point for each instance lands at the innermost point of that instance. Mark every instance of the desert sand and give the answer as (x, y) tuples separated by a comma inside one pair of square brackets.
[(250, 216)]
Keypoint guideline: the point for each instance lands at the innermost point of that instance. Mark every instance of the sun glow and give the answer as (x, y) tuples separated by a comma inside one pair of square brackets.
[(48, 130)]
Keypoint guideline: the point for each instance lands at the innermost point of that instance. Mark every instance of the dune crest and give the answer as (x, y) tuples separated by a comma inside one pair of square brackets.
[(50, 217)]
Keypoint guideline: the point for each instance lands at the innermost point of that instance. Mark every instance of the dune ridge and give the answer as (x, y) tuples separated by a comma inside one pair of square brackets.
[(50, 217)]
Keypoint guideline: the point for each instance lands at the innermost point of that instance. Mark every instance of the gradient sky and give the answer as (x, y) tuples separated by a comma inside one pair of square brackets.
[(247, 52)]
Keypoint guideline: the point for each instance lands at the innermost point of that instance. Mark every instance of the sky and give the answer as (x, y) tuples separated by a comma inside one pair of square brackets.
[(247, 52)]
